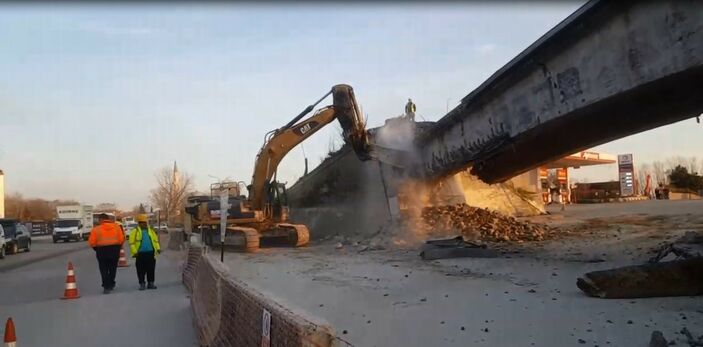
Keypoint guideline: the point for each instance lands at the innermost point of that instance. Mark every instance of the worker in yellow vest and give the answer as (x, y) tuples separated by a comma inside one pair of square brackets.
[(144, 245), (410, 109)]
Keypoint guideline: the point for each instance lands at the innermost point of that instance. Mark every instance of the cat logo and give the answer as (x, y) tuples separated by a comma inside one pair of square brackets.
[(305, 128)]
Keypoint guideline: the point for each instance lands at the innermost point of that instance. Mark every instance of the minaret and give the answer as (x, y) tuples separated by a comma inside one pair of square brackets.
[(176, 179)]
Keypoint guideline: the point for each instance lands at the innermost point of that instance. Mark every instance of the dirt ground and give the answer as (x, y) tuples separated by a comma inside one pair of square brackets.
[(526, 297)]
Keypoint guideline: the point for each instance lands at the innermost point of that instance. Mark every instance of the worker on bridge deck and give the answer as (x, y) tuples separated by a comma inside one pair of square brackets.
[(410, 109)]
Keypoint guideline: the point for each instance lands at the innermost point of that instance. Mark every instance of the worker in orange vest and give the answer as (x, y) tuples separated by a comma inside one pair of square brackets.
[(107, 239)]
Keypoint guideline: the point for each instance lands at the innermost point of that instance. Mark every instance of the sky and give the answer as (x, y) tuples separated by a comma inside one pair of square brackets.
[(94, 99)]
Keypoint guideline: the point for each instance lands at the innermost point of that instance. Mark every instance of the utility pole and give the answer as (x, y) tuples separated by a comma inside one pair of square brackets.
[(224, 206)]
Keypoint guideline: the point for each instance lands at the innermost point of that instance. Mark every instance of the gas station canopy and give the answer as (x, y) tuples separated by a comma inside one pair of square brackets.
[(583, 158)]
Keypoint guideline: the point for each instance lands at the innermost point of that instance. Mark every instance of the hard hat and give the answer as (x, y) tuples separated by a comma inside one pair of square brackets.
[(142, 218)]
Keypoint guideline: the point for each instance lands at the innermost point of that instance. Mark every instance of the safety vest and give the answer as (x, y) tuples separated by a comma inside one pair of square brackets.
[(135, 240), (106, 234), (410, 107)]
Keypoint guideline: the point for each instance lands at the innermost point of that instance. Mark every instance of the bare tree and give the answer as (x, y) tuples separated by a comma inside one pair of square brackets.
[(692, 165), (170, 194), (673, 162), (106, 207), (659, 171), (18, 207)]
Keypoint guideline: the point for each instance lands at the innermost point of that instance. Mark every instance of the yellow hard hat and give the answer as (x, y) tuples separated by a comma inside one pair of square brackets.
[(142, 218)]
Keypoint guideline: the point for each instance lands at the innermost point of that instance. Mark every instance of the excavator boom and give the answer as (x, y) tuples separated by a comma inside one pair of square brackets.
[(280, 141)]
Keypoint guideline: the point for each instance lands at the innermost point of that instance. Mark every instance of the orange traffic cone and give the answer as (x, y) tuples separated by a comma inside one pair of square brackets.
[(10, 338), (71, 291), (123, 259)]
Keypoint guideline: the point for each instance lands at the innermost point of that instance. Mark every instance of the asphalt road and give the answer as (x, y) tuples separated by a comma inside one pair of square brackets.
[(42, 248), (31, 285)]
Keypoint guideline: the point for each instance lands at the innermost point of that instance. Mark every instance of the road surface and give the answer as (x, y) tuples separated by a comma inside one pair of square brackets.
[(31, 285)]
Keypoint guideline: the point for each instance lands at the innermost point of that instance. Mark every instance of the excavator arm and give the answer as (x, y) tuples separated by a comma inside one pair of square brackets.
[(280, 141)]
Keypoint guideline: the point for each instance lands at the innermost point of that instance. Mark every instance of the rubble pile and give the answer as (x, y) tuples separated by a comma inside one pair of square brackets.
[(481, 224)]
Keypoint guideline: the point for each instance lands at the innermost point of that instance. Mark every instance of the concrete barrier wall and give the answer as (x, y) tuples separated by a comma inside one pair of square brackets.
[(227, 312)]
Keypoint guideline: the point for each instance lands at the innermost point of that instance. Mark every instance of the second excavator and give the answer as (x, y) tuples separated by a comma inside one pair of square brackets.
[(262, 217)]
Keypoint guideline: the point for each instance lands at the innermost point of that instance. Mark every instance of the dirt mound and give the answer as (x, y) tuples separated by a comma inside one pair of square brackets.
[(481, 224)]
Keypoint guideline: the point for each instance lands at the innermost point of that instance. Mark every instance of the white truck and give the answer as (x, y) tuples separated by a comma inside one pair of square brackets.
[(74, 223)]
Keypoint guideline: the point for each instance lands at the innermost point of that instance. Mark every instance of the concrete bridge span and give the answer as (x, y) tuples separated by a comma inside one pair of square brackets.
[(611, 69)]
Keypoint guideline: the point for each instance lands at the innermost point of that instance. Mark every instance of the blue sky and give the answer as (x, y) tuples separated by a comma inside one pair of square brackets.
[(96, 98)]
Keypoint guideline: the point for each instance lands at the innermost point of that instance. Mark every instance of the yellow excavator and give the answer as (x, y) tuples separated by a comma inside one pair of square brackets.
[(261, 218)]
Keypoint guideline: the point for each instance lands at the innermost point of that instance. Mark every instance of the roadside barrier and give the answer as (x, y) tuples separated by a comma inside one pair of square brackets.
[(227, 312)]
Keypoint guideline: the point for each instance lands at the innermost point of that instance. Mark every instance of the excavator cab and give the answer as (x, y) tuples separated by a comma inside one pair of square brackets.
[(277, 202)]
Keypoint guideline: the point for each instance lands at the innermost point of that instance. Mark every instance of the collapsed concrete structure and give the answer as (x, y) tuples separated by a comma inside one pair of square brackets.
[(345, 196)]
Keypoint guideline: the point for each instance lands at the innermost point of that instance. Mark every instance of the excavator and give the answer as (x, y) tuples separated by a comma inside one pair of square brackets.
[(261, 219)]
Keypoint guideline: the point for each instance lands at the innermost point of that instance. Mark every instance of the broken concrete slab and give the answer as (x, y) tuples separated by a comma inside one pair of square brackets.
[(687, 246), (455, 247), (459, 252), (674, 278), (658, 340)]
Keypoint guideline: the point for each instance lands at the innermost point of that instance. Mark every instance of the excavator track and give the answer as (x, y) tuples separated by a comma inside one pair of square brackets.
[(298, 234), (250, 242)]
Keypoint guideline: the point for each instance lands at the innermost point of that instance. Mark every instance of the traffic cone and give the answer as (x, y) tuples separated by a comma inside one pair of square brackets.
[(71, 291), (123, 259), (10, 337)]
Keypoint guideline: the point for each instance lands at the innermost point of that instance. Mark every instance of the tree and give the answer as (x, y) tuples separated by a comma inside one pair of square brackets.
[(18, 207), (106, 207), (659, 171), (170, 194), (692, 165), (681, 178)]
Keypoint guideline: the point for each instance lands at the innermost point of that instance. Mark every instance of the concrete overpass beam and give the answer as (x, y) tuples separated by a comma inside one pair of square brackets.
[(612, 69)]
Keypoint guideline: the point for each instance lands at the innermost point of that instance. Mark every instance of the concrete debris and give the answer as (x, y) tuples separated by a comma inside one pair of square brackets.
[(692, 341), (689, 245), (673, 278), (658, 340), (455, 248), (482, 224)]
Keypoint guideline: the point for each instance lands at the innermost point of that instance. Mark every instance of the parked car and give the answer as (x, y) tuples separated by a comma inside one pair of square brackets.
[(162, 228), (2, 243), (17, 236)]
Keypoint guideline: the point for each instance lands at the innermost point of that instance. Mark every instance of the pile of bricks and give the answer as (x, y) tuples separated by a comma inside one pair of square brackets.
[(480, 224)]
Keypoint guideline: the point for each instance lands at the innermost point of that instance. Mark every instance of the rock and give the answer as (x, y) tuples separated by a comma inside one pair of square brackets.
[(339, 245), (481, 224), (658, 339)]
